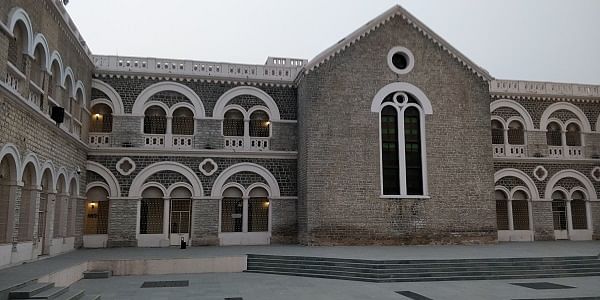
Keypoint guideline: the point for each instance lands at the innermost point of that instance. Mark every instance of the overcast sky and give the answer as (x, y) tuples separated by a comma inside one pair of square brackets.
[(544, 40)]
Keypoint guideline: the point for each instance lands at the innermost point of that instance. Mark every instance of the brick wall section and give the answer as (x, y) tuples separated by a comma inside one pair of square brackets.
[(339, 152), (208, 134), (94, 177), (167, 178), (129, 89), (595, 207), (122, 226), (127, 131), (205, 222), (283, 218), (543, 225), (284, 137), (246, 179)]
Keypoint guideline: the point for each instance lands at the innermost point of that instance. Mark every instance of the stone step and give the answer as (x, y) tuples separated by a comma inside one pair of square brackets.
[(29, 290), (379, 270), (72, 295), (51, 293), (91, 297), (96, 274)]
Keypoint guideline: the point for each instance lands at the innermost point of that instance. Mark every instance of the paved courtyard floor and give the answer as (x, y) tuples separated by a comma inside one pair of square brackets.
[(249, 286), (261, 286)]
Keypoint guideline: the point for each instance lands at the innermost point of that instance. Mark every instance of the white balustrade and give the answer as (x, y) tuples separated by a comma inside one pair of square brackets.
[(259, 143), (574, 152), (154, 140), (35, 98), (544, 88), (555, 151), (13, 81), (77, 130), (234, 142), (515, 150), (183, 141), (99, 139), (499, 151)]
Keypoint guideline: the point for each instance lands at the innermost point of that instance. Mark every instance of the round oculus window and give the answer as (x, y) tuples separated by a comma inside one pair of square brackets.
[(401, 60)]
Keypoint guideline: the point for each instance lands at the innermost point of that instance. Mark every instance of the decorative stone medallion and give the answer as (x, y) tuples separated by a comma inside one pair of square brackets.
[(125, 166), (596, 173), (208, 167), (540, 173)]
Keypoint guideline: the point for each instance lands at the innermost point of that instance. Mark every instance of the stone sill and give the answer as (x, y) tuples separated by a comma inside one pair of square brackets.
[(400, 197)]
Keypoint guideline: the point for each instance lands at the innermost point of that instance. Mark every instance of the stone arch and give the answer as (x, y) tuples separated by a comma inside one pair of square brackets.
[(255, 186), (112, 94), (153, 184), (587, 184), (177, 185), (96, 184), (55, 56), (32, 159), (402, 87), (12, 151), (73, 178), (533, 190), (114, 190), (598, 124), (64, 185), (18, 14), (68, 73), (544, 120), (173, 108), (102, 101), (219, 110), (516, 106), (80, 87), (49, 166), (138, 106), (138, 182), (246, 167), (40, 39)]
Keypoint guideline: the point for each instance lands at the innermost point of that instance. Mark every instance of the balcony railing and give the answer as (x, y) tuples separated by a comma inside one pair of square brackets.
[(154, 140), (99, 139), (574, 152), (509, 150), (259, 144), (234, 142), (13, 81), (555, 151), (183, 141)]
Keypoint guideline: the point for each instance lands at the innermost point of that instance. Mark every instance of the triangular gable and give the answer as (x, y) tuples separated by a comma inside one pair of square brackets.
[(382, 19)]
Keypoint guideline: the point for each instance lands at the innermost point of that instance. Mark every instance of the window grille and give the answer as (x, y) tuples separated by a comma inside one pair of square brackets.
[(233, 127), (516, 134), (258, 215), (183, 125), (13, 51), (573, 135), (520, 211), (41, 226), (412, 140), (502, 214), (559, 213), (232, 210), (554, 135), (180, 215), (151, 216), (389, 149), (579, 214), (155, 124), (96, 221), (259, 124), (102, 123)]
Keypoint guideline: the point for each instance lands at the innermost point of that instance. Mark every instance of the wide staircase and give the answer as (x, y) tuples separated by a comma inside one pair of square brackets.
[(49, 291), (425, 270)]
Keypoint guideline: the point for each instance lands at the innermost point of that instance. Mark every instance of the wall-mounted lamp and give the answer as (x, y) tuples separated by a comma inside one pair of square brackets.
[(267, 123), (92, 205), (266, 203)]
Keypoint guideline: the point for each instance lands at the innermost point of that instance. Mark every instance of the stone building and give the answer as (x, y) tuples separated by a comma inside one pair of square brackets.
[(391, 136)]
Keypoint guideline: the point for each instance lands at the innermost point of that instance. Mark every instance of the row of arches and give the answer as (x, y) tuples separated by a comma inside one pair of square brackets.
[(25, 43), (570, 209), (35, 196)]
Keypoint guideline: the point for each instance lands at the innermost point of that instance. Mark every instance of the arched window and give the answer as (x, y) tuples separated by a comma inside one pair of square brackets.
[(501, 210), (78, 103), (66, 101), (233, 123), (155, 120), (573, 135), (101, 118), (520, 211), (152, 211), (181, 213), (559, 210), (579, 211), (96, 211), (554, 134), (402, 143), (8, 177), (43, 207), (27, 205), (497, 133), (259, 124), (38, 66), (183, 121), (258, 210), (516, 134), (17, 47), (54, 81), (232, 210), (60, 208)]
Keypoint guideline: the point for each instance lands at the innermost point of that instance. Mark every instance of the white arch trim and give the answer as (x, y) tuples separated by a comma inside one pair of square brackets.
[(12, 151), (257, 185), (68, 73), (598, 124), (79, 86), (18, 14), (516, 106), (138, 106), (49, 165), (591, 192), (177, 185), (114, 189), (544, 120), (113, 96), (41, 39), (31, 158), (273, 110), (173, 108), (102, 101), (160, 104), (62, 171), (533, 190), (74, 177), (236, 107), (402, 87), (136, 185), (153, 184), (246, 167), (56, 57), (100, 184)]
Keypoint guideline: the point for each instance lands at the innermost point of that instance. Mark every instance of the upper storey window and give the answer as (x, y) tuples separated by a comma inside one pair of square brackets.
[(101, 118), (402, 146), (573, 135), (516, 133), (259, 124), (17, 47), (233, 123), (554, 134), (183, 121), (155, 120)]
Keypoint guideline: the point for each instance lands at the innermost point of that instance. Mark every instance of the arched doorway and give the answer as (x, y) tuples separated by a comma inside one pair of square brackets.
[(180, 215), (42, 225), (96, 218), (152, 226)]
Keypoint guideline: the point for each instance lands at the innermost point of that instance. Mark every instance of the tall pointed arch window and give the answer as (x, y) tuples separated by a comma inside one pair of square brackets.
[(402, 146)]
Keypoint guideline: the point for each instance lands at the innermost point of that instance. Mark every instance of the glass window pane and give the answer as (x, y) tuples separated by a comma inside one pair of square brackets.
[(151, 216), (258, 214), (232, 214)]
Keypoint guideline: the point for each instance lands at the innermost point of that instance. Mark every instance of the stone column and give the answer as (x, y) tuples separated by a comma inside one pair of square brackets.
[(169, 133), (205, 221), (49, 234), (122, 222), (79, 220), (543, 222), (246, 134), (15, 208)]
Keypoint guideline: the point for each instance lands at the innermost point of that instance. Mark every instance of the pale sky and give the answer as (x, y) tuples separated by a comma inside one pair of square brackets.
[(542, 40)]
